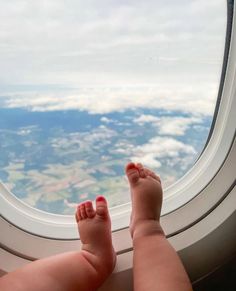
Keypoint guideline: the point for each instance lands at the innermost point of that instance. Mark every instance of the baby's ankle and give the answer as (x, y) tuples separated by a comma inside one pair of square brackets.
[(145, 228), (103, 264)]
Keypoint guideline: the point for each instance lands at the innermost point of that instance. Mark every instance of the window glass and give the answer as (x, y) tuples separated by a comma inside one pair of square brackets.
[(86, 86)]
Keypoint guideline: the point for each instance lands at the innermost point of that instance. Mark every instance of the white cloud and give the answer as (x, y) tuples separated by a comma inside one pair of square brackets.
[(157, 149), (165, 147), (102, 100), (176, 125), (96, 139), (106, 120), (148, 160), (101, 135), (169, 125), (147, 118)]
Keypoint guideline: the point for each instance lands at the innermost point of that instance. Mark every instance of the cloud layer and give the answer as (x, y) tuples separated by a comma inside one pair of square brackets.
[(106, 100), (157, 149), (169, 125)]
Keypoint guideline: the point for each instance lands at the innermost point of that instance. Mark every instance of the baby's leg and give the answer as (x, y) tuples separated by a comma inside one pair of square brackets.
[(85, 270), (156, 264)]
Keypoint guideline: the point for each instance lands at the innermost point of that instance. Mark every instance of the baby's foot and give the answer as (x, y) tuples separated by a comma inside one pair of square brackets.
[(95, 234), (146, 196)]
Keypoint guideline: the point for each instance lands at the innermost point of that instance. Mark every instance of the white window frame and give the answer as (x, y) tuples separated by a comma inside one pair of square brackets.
[(197, 208)]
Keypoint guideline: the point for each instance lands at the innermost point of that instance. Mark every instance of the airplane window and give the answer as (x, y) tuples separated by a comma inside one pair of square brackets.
[(86, 86)]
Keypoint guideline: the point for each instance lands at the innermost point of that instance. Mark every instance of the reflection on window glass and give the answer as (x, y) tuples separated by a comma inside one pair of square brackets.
[(86, 86)]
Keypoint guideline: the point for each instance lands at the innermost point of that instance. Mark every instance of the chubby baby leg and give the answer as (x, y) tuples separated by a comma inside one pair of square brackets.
[(85, 270), (156, 264)]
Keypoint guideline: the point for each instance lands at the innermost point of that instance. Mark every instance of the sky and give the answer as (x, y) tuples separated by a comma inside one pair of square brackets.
[(59, 54)]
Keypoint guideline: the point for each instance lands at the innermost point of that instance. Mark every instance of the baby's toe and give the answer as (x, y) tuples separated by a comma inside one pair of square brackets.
[(141, 170), (101, 207), (90, 212), (132, 173), (83, 211), (78, 216), (153, 175)]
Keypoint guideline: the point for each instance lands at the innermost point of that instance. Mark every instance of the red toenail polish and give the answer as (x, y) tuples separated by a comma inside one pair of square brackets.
[(100, 198)]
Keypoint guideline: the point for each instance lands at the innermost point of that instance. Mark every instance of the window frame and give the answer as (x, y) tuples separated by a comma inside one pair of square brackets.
[(29, 234)]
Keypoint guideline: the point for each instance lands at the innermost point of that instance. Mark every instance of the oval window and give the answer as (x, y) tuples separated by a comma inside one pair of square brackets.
[(87, 86)]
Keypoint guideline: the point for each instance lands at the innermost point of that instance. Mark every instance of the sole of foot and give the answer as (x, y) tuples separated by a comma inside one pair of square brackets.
[(146, 196), (94, 227)]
